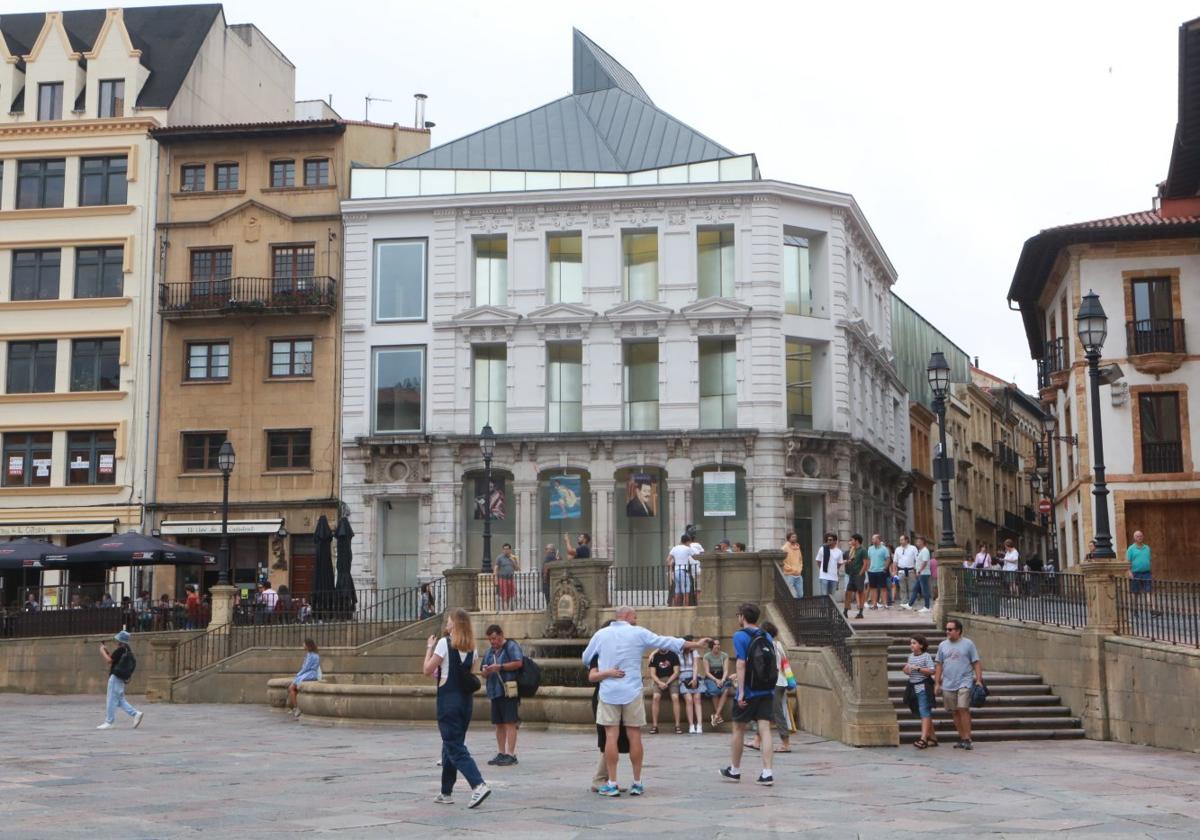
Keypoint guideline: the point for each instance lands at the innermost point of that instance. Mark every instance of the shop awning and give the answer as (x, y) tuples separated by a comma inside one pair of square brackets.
[(213, 527), (51, 527)]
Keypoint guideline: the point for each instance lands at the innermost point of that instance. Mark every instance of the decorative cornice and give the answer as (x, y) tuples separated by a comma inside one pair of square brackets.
[(59, 128)]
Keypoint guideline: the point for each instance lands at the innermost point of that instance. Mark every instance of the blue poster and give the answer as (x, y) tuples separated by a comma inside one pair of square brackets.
[(566, 497)]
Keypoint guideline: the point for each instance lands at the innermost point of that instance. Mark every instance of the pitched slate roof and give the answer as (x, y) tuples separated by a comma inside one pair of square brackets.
[(168, 36), (607, 124)]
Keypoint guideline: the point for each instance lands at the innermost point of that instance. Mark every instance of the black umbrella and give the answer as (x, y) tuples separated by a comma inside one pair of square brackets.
[(25, 553), (128, 549), (345, 556), (323, 536)]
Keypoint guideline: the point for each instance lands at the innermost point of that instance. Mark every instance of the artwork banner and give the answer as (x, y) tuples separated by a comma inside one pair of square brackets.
[(490, 497), (566, 497), (720, 494), (641, 495)]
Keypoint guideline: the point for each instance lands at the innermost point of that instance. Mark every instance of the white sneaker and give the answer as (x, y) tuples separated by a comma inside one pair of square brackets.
[(137, 719), (444, 799), (105, 725), (296, 712), (478, 794), (923, 610), (905, 607)]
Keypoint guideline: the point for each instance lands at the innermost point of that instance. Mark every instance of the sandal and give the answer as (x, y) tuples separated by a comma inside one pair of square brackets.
[(678, 731), (933, 742), (754, 747), (718, 721), (785, 749), (920, 743), (653, 730), (712, 720)]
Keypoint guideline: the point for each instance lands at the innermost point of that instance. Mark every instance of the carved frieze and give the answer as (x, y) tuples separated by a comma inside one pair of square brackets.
[(397, 463)]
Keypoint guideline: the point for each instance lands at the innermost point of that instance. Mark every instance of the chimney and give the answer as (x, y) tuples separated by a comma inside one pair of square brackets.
[(419, 110), (976, 361)]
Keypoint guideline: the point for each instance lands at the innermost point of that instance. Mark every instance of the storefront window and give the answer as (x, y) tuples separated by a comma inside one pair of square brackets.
[(643, 534)]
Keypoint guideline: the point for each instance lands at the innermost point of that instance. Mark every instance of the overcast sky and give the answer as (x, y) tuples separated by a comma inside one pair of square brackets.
[(961, 129)]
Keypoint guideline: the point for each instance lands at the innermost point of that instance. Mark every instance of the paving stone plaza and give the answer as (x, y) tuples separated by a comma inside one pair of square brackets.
[(245, 771)]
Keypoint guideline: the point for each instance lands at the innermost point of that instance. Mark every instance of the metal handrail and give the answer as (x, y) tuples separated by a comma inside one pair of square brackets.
[(1159, 610), (814, 621), (248, 293), (1155, 335), (1056, 598)]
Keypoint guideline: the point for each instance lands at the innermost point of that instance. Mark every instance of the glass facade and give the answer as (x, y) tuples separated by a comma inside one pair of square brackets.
[(641, 385), (490, 386), (718, 383), (399, 388), (639, 271), (799, 374), (797, 276), (715, 261), (565, 278), (564, 387), (491, 271), (400, 280)]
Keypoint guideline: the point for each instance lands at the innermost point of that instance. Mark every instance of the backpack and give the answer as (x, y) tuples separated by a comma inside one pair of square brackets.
[(467, 682), (125, 666), (529, 677), (762, 671)]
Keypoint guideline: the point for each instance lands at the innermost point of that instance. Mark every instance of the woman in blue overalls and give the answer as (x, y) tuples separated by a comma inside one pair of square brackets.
[(451, 658)]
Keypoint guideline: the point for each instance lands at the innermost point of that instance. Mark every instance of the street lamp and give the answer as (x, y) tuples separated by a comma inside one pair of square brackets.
[(487, 447), (1092, 328), (939, 383), (226, 458)]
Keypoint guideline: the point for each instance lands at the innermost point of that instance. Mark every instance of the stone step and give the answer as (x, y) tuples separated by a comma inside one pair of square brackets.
[(913, 724), (1011, 694), (999, 710), (989, 678), (948, 737)]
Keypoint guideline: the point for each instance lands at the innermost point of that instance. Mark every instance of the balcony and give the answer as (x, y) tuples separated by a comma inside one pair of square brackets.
[(1007, 457), (248, 296), (1156, 345), (1013, 522), (1052, 367), (1162, 457), (1041, 457)]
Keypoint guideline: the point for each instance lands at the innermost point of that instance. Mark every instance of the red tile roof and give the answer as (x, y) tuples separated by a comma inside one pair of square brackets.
[(1142, 218)]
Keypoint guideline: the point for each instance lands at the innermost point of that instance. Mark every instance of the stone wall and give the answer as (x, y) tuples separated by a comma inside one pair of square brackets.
[(72, 664)]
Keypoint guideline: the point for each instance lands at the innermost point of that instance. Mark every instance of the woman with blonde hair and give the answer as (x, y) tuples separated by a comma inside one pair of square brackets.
[(451, 658)]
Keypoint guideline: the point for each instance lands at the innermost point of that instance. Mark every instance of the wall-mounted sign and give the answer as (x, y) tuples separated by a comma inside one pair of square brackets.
[(720, 493)]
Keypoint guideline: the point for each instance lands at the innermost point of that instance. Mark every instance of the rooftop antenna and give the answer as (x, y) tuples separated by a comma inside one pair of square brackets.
[(368, 99)]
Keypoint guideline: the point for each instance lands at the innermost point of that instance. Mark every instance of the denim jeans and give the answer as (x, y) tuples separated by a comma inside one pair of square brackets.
[(828, 587), (924, 703), (454, 708), (796, 582), (922, 586), (116, 697)]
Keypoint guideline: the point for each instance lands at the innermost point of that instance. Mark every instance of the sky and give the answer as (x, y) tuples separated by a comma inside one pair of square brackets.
[(961, 129)]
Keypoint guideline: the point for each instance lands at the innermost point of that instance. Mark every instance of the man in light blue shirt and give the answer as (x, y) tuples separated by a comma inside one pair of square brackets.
[(877, 572), (621, 647)]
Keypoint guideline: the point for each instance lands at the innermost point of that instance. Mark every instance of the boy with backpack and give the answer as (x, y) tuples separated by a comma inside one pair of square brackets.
[(121, 664), (757, 672)]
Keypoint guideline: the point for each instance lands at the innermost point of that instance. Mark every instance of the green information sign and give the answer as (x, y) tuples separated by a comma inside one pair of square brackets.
[(720, 494)]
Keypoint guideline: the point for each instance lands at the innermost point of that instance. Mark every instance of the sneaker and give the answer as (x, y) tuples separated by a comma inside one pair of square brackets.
[(966, 745), (860, 615), (105, 725), (137, 719), (636, 789), (507, 760), (923, 610), (846, 612), (961, 745), (295, 713), (478, 794), (444, 799), (905, 607), (765, 780), (609, 789), (728, 775), (499, 759)]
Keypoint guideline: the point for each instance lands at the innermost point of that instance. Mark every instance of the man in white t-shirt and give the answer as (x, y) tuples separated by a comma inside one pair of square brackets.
[(905, 558), (684, 571), (829, 560)]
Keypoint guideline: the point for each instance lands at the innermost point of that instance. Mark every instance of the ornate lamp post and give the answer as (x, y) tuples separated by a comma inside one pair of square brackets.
[(939, 383), (1092, 328), (226, 459), (487, 447)]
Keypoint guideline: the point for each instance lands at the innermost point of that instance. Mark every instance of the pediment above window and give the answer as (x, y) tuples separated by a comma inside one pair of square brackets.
[(485, 323), (639, 317), (562, 320), (712, 316)]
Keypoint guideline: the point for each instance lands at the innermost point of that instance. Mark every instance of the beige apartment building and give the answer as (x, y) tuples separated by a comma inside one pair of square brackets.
[(250, 238), (81, 92)]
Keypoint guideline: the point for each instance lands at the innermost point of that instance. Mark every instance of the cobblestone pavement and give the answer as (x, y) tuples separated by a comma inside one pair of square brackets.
[(245, 771)]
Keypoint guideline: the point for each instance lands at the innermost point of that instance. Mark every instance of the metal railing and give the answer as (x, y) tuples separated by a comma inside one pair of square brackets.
[(523, 592), (65, 596), (814, 621), (652, 586), (247, 294), (1162, 457), (1155, 335), (1056, 598), (1159, 610), (77, 621)]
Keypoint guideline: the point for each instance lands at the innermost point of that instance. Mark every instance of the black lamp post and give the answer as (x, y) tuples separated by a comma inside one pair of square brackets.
[(1092, 327), (225, 462), (487, 447), (939, 383)]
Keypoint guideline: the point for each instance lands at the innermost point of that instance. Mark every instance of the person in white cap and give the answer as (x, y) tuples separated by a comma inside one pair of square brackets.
[(121, 663)]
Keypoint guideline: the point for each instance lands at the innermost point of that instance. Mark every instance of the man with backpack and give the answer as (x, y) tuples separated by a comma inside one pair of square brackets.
[(757, 672), (500, 665), (121, 664)]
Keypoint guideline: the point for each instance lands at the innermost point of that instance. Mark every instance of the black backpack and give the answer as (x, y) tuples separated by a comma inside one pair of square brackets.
[(125, 666), (762, 671), (467, 682), (529, 677)]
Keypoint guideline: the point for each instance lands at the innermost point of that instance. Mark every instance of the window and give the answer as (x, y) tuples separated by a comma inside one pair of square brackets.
[(27, 459), (102, 181), (1153, 327), (211, 269), (292, 268), (112, 98), (400, 280), (99, 272), (225, 176), (200, 451), (283, 173), (40, 183), (399, 387), (96, 364), (35, 274), (490, 386), (31, 367), (491, 270), (1162, 441), (641, 385), (714, 261), (797, 276), (192, 178), (565, 251), (564, 387), (316, 172), (207, 361), (718, 383), (91, 458), (799, 372), (639, 249), (292, 357), (289, 450), (50, 101)]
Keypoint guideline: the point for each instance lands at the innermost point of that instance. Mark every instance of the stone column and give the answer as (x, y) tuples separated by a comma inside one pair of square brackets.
[(951, 597), (1100, 588), (461, 588), (222, 606), (726, 582), (768, 560), (162, 669), (869, 716)]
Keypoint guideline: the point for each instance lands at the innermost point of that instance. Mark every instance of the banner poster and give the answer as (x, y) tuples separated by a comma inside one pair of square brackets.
[(106, 464), (16, 466), (566, 497), (720, 493), (641, 495), (490, 495)]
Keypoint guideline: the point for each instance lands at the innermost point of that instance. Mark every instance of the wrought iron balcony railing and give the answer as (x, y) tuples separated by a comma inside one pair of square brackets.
[(1155, 335), (251, 295)]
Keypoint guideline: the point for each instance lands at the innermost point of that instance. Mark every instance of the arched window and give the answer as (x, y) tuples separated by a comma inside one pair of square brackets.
[(497, 497), (719, 509), (642, 515), (564, 509)]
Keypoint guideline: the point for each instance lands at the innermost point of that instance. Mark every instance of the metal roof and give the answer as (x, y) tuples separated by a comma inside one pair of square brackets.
[(607, 124)]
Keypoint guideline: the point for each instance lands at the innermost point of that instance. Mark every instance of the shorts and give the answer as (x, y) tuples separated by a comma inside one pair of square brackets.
[(756, 708), (957, 699), (924, 704), (673, 688), (685, 689), (632, 713), (1140, 582), (506, 710), (507, 587), (854, 583), (877, 580), (714, 688)]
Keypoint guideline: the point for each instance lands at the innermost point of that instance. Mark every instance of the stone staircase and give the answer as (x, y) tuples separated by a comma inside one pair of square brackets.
[(1019, 706)]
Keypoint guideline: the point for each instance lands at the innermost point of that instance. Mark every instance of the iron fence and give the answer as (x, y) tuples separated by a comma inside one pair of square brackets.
[(62, 622), (814, 621), (523, 592), (250, 294), (1159, 610), (1056, 598), (1155, 335), (653, 586), (67, 596)]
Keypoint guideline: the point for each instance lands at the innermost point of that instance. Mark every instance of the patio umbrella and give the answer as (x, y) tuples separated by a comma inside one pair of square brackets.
[(345, 556), (323, 583), (128, 549), (25, 553)]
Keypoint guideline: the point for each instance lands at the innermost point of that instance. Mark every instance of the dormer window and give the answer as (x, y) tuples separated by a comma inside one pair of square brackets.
[(50, 101), (112, 98)]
